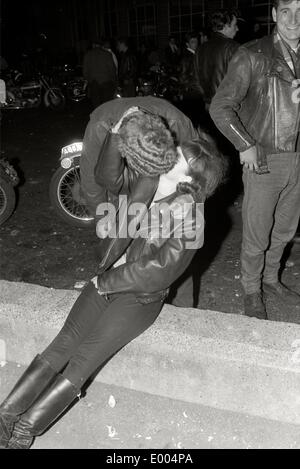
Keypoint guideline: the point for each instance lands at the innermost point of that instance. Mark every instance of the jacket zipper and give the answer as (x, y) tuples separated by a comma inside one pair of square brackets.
[(275, 112), (240, 135)]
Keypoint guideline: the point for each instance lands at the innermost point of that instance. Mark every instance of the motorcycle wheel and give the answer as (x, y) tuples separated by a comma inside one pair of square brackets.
[(65, 198), (55, 99), (7, 200)]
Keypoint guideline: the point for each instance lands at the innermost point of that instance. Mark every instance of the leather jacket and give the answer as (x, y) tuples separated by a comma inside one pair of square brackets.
[(255, 104), (153, 262), (101, 121), (187, 73), (211, 63)]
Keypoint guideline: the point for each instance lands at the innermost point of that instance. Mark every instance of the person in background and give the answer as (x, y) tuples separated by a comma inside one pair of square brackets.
[(128, 68), (257, 108), (212, 57), (191, 98), (172, 56), (100, 72), (123, 301), (107, 45)]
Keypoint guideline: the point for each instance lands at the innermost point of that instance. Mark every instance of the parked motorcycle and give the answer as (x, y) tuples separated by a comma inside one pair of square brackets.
[(8, 180), (72, 82), (64, 189), (158, 82), (24, 94)]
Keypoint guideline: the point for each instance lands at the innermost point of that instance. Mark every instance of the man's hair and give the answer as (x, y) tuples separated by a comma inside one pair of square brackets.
[(191, 35), (147, 144), (123, 40), (277, 2), (207, 167), (220, 18)]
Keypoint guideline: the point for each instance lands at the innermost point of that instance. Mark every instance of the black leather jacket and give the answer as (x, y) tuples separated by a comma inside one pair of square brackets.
[(153, 262), (255, 103), (211, 63), (105, 117)]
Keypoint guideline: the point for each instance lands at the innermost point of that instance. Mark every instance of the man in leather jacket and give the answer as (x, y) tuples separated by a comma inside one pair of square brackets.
[(257, 108), (127, 70), (212, 57), (102, 120)]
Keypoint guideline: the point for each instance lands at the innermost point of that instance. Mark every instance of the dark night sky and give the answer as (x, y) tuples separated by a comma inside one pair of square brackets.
[(22, 22)]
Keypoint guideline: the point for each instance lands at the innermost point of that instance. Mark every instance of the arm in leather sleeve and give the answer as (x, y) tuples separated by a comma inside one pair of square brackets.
[(109, 170), (155, 272), (228, 98), (111, 248)]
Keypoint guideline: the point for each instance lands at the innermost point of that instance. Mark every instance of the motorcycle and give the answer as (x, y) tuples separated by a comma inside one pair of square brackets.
[(72, 82), (64, 189), (160, 84), (8, 180), (24, 94)]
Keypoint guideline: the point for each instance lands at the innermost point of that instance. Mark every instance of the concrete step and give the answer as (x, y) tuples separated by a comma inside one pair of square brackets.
[(223, 361), (115, 418)]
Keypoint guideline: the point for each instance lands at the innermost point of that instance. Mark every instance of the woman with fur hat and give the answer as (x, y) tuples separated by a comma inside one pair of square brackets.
[(127, 295)]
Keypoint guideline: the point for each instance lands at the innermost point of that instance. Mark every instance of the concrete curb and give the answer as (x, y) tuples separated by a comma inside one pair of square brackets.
[(224, 361)]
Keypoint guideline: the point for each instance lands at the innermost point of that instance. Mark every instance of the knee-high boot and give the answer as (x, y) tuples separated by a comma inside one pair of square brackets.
[(46, 409), (34, 380)]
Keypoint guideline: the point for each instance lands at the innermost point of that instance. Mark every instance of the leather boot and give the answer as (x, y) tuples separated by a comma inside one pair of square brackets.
[(254, 306), (30, 385), (47, 408)]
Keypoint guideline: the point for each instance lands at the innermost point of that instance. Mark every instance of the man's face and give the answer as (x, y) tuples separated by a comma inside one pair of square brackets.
[(287, 17), (231, 29), (120, 47), (193, 43)]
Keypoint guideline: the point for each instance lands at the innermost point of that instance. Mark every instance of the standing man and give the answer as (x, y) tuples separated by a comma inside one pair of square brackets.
[(172, 56), (191, 99), (257, 108), (100, 72), (212, 57), (127, 68)]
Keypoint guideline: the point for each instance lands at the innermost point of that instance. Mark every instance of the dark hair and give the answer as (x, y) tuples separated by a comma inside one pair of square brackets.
[(191, 35), (207, 167), (123, 40), (277, 2), (220, 18)]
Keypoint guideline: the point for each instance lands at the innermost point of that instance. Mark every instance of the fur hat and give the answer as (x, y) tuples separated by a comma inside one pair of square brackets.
[(147, 144)]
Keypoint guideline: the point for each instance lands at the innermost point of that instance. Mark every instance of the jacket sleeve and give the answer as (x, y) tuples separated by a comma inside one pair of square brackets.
[(155, 272), (110, 167), (228, 98)]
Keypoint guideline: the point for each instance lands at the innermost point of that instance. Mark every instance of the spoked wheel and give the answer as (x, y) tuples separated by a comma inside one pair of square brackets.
[(7, 200), (66, 199)]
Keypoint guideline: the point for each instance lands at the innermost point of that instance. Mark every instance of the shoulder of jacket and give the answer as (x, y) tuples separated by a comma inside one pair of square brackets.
[(260, 46)]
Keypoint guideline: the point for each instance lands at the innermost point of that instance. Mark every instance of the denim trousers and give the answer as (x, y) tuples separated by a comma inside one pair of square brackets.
[(95, 329), (271, 210)]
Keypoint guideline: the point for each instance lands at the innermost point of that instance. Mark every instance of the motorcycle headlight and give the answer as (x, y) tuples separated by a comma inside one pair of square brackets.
[(66, 163)]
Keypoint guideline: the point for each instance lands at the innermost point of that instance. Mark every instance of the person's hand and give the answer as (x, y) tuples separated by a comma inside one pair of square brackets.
[(248, 158), (129, 111)]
